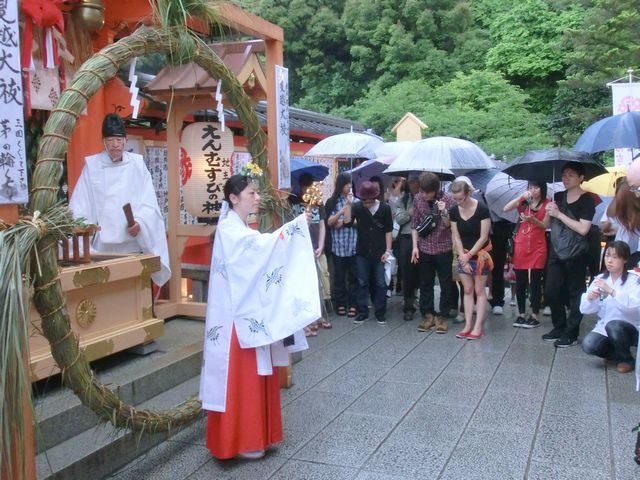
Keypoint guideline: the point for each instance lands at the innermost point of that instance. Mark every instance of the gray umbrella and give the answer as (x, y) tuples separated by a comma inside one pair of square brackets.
[(502, 188), (440, 155)]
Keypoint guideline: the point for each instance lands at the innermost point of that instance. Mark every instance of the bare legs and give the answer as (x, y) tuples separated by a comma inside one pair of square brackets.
[(473, 283)]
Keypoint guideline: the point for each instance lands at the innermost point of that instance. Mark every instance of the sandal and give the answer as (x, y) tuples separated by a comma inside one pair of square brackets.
[(326, 323), (353, 312), (341, 311), (309, 333)]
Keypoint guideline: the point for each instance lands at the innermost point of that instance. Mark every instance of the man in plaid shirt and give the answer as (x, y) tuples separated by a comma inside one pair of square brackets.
[(433, 253)]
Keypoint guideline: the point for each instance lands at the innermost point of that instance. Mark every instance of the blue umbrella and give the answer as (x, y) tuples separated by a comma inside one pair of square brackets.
[(617, 131), (302, 165)]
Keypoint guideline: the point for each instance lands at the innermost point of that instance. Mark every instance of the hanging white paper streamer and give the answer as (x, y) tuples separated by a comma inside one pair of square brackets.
[(49, 53), (219, 106), (133, 89)]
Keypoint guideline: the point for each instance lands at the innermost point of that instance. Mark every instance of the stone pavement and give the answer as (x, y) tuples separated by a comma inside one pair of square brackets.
[(387, 402)]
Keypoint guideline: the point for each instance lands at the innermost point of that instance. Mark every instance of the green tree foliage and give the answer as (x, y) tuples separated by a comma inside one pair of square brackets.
[(373, 60), (480, 106), (601, 51), (528, 48)]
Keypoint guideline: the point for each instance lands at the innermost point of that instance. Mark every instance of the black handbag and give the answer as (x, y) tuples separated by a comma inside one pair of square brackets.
[(428, 224), (567, 243)]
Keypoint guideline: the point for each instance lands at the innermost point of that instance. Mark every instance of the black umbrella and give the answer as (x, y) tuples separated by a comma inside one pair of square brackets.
[(617, 131), (546, 165)]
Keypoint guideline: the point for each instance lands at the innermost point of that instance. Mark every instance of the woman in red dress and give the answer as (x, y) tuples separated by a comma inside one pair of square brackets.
[(530, 250)]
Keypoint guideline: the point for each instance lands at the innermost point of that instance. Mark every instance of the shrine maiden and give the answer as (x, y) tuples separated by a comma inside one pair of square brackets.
[(261, 296), (111, 179)]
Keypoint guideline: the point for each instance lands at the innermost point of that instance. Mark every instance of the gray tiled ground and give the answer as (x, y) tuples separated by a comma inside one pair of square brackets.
[(377, 402)]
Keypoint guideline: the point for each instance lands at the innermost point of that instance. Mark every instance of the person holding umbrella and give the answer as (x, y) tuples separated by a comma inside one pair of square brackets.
[(569, 216), (530, 250)]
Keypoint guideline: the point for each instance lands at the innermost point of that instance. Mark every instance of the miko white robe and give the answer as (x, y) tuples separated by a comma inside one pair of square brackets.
[(264, 284), (103, 189)]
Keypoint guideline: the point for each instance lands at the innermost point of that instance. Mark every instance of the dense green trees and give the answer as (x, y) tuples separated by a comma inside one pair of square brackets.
[(509, 74)]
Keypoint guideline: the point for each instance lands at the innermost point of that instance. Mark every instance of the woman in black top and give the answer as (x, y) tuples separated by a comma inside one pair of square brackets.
[(470, 225)]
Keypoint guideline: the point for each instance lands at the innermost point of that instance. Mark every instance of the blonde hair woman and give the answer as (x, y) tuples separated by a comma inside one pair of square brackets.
[(470, 225)]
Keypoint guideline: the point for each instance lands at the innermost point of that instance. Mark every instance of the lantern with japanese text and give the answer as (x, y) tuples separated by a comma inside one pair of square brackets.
[(205, 159)]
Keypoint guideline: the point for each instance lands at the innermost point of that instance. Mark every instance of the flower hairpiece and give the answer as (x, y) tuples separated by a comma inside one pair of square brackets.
[(251, 170)]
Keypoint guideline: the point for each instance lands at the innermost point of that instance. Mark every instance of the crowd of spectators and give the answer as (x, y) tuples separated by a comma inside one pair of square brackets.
[(451, 251)]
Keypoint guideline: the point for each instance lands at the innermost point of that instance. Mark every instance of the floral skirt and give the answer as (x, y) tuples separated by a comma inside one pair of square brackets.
[(473, 263)]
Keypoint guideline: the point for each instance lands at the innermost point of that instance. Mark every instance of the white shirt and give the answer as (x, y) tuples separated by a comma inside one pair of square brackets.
[(102, 189), (625, 305)]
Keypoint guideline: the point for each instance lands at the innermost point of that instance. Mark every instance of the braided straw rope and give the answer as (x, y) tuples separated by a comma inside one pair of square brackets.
[(48, 295)]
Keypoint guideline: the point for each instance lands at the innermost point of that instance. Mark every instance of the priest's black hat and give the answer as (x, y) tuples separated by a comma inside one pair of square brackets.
[(113, 126)]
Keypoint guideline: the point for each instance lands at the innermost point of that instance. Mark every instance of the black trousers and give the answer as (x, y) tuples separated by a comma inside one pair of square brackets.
[(344, 281), (429, 265), (501, 231), (408, 271), (566, 281), (534, 286)]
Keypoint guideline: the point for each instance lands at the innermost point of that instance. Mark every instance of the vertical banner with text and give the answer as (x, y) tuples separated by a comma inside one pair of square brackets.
[(13, 163), (625, 98), (282, 124)]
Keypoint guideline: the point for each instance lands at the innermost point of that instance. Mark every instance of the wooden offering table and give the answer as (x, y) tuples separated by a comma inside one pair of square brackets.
[(110, 305)]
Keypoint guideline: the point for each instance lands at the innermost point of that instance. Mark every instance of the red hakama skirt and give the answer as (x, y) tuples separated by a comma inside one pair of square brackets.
[(252, 420)]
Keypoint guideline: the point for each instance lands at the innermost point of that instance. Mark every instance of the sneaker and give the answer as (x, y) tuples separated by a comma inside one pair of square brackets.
[(408, 315), (546, 312), (564, 342), (512, 302), (553, 335), (428, 323), (441, 325), (531, 322), (360, 318), (520, 321), (459, 318), (381, 320), (497, 310)]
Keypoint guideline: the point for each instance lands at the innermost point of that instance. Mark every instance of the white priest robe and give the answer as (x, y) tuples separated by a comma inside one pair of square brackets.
[(263, 284), (103, 189)]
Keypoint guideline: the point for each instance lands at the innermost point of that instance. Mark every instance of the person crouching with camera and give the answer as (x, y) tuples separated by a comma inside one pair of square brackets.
[(432, 250), (615, 296)]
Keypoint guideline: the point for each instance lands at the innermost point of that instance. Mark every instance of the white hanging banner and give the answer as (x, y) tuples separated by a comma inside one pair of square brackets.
[(13, 163), (205, 159), (282, 126), (625, 98), (133, 88)]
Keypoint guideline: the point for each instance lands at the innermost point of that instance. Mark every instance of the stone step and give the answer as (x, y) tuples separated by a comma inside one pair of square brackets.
[(102, 449), (65, 417), (59, 413)]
